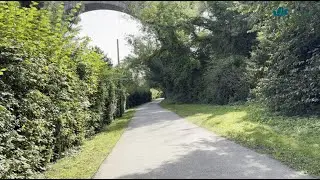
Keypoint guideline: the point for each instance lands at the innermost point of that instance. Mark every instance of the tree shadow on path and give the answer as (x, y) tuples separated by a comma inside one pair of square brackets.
[(218, 159)]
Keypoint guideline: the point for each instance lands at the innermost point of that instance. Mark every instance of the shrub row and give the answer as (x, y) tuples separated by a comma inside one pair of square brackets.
[(139, 97), (55, 90)]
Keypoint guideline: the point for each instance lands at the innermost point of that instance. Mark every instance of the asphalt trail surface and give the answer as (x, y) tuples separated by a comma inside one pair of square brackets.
[(160, 144)]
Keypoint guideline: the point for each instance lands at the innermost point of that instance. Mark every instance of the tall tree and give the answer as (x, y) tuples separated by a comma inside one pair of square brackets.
[(193, 49)]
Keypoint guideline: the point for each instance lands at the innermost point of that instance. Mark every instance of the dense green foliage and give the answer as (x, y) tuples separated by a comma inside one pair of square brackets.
[(224, 52), (156, 93), (287, 57), (55, 90), (199, 59), (84, 164), (138, 97), (137, 88)]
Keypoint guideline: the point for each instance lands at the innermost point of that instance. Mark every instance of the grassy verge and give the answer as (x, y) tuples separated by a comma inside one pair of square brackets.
[(293, 140), (85, 163)]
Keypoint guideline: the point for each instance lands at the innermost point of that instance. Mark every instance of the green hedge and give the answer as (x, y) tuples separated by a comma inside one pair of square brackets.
[(139, 97), (54, 90)]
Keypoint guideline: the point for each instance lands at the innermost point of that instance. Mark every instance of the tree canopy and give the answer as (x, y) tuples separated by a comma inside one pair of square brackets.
[(223, 52)]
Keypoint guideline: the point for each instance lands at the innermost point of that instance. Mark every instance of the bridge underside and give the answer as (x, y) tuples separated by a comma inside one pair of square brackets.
[(101, 6), (121, 6)]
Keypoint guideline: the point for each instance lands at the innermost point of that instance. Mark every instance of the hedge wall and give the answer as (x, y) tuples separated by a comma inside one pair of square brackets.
[(139, 97), (54, 89)]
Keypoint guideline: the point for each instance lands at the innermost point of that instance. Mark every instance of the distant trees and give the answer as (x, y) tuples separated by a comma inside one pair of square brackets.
[(105, 57)]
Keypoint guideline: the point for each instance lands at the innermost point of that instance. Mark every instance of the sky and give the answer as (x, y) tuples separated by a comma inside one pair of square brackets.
[(104, 27)]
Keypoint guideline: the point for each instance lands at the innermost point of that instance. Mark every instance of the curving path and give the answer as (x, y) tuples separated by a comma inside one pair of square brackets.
[(160, 144)]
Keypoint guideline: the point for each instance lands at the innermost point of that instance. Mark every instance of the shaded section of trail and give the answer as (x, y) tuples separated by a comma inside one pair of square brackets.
[(160, 144)]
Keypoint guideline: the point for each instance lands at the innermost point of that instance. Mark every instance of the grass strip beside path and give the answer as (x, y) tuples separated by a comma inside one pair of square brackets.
[(86, 163), (295, 141)]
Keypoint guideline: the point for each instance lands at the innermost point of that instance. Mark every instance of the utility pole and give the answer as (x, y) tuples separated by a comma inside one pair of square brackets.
[(120, 90), (118, 51)]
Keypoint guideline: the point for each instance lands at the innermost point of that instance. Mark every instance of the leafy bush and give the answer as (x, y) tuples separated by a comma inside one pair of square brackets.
[(139, 97), (287, 56), (156, 93), (225, 81)]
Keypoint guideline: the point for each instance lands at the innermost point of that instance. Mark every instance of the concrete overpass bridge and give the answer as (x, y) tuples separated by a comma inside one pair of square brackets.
[(121, 6)]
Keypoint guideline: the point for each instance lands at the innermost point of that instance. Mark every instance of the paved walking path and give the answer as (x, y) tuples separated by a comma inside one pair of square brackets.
[(160, 144)]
